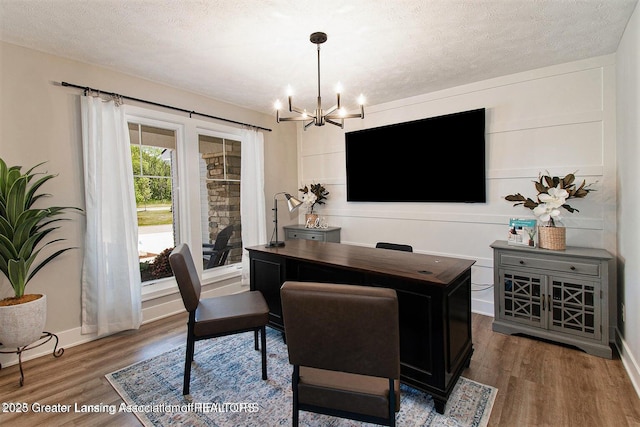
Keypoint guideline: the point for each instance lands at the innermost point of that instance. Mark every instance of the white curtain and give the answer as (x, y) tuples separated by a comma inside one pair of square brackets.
[(252, 203), (111, 288)]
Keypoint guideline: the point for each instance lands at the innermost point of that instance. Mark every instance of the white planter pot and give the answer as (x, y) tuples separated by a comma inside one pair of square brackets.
[(22, 324)]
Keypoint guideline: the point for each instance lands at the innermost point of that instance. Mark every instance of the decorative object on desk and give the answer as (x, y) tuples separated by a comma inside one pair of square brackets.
[(334, 115), (24, 231), (292, 204), (522, 232), (158, 381), (553, 192)]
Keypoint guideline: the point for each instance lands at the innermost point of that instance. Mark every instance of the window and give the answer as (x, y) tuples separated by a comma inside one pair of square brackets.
[(153, 156), (187, 185), (220, 200)]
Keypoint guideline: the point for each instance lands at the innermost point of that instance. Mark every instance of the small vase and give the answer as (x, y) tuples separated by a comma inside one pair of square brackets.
[(311, 220), (552, 235)]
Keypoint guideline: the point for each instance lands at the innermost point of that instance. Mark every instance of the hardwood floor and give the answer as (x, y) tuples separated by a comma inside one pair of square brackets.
[(539, 384)]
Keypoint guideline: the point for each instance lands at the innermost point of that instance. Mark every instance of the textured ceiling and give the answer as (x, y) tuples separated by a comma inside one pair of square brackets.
[(246, 52)]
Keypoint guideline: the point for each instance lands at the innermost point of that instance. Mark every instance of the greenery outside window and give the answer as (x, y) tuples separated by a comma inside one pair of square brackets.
[(153, 156)]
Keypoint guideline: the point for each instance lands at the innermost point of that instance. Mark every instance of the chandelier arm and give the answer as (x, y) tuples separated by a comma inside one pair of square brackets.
[(340, 125), (359, 115), (332, 109), (300, 111), (345, 116), (296, 119)]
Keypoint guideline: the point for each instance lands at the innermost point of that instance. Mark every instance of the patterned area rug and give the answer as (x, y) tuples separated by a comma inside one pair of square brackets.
[(227, 390)]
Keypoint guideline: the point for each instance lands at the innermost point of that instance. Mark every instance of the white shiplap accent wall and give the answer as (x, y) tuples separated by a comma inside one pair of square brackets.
[(560, 119)]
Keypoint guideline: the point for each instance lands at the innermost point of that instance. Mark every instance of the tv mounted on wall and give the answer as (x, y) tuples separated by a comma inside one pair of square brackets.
[(437, 159)]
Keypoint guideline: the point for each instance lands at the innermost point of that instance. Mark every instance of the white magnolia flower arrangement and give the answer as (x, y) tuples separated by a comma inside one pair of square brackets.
[(553, 192), (312, 195)]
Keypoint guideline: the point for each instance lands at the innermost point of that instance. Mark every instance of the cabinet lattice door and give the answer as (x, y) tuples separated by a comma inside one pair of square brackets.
[(574, 307), (522, 297)]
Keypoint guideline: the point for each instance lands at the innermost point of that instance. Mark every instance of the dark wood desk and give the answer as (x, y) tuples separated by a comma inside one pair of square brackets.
[(434, 296)]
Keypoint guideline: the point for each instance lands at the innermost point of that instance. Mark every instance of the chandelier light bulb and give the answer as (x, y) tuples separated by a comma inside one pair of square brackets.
[(277, 105), (361, 99)]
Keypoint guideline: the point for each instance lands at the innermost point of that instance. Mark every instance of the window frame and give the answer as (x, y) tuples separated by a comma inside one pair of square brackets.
[(187, 131)]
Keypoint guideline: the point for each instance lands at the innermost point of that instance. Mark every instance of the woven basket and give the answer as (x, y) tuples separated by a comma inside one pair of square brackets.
[(553, 238)]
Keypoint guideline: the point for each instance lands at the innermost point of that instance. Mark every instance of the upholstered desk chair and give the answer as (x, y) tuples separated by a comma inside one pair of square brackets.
[(394, 246), (216, 316), (344, 345)]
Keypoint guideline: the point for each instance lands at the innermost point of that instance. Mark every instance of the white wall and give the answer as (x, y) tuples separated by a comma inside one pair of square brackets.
[(559, 119), (628, 114), (40, 121)]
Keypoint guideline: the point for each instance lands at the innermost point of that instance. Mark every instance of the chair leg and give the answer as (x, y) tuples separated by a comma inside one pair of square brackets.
[(255, 339), (294, 383), (392, 403), (188, 359), (263, 335)]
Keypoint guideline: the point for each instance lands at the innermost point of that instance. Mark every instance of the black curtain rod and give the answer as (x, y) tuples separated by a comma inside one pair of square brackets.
[(89, 89)]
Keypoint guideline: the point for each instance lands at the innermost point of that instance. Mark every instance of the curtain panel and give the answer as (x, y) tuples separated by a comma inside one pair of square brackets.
[(252, 201), (111, 286)]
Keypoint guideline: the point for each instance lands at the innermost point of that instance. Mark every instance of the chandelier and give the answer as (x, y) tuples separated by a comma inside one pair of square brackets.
[(334, 115)]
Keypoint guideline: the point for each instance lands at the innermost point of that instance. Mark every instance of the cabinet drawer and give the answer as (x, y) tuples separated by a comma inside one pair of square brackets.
[(305, 235), (564, 266)]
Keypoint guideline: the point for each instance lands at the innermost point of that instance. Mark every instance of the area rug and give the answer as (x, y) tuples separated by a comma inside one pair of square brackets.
[(227, 390)]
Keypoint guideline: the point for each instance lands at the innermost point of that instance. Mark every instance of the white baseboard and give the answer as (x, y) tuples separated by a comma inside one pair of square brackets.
[(482, 307), (628, 360), (73, 337)]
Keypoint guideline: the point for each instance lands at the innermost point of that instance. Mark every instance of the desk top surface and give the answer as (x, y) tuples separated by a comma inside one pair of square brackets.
[(410, 265)]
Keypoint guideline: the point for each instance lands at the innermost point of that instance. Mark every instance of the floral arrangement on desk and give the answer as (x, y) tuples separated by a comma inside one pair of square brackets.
[(553, 193)]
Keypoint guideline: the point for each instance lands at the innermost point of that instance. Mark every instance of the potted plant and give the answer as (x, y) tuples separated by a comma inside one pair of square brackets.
[(312, 195), (553, 192), (24, 231)]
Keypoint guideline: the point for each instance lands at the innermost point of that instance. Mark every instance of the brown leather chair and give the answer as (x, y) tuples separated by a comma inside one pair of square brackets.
[(216, 316), (344, 345)]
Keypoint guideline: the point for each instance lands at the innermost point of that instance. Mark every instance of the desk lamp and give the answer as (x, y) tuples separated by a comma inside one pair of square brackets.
[(293, 204)]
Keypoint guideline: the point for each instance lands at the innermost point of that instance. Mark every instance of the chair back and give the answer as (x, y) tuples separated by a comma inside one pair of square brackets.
[(342, 328), (220, 249), (186, 275), (394, 246), (222, 239)]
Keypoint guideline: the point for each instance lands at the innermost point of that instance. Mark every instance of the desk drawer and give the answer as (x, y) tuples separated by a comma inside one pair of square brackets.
[(565, 266), (305, 235)]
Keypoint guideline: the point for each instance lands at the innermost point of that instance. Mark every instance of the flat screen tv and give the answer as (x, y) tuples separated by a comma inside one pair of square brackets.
[(437, 159)]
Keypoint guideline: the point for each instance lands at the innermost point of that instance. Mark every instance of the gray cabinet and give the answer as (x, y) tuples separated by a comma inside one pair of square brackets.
[(561, 296), (329, 234)]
